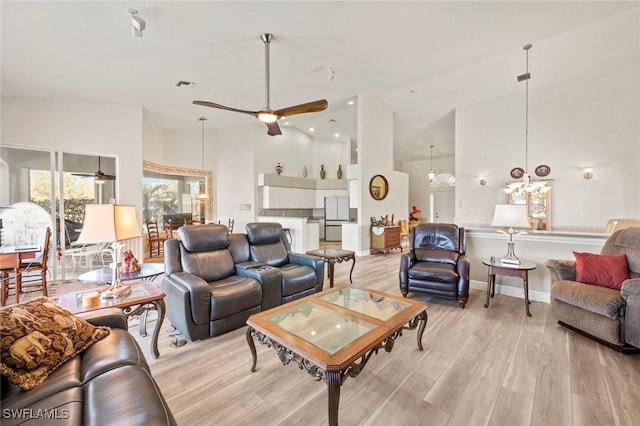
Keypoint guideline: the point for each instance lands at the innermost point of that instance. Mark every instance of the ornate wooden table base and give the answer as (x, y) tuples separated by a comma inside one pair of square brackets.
[(333, 256), (333, 366)]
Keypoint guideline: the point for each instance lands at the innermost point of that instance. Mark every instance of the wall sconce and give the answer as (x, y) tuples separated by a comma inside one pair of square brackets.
[(483, 180), (587, 173)]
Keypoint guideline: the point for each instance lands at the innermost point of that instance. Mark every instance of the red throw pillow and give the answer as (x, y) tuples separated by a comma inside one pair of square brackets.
[(605, 270)]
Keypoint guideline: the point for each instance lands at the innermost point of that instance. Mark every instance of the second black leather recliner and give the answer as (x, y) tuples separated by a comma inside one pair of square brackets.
[(436, 262)]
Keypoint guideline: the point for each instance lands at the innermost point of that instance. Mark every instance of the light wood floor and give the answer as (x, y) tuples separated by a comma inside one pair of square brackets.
[(479, 366)]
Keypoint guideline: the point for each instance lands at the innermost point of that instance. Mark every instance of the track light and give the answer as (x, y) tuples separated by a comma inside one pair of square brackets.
[(137, 23)]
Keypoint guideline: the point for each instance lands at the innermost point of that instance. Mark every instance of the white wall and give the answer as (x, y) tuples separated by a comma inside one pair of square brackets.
[(375, 156), (592, 123)]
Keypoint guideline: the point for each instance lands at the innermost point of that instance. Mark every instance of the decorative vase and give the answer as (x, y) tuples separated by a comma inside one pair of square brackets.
[(323, 174), (304, 171), (339, 171), (279, 168)]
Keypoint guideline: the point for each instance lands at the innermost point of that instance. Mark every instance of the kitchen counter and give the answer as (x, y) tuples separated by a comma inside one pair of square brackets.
[(305, 233)]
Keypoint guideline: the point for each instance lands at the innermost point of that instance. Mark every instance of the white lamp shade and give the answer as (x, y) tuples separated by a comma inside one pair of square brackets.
[(510, 216), (109, 222)]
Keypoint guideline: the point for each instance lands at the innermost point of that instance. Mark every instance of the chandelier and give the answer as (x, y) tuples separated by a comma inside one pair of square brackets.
[(432, 173), (526, 185)]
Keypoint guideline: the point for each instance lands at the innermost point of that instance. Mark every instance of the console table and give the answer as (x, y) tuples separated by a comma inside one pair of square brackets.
[(385, 238)]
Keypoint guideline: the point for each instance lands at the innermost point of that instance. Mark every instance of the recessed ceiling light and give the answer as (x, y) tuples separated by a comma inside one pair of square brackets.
[(337, 135), (413, 91), (311, 129), (286, 123), (184, 83), (351, 102), (332, 121)]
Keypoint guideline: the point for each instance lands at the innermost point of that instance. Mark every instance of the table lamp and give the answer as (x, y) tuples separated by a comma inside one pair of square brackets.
[(110, 223), (510, 216)]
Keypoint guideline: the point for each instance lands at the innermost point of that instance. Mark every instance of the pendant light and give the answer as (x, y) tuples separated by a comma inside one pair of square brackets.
[(526, 185), (432, 173), (202, 193)]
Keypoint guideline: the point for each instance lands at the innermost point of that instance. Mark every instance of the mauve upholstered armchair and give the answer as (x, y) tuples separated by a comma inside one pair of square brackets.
[(607, 315)]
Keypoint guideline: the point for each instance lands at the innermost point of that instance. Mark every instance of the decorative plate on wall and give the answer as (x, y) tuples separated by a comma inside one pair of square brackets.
[(517, 172), (543, 170)]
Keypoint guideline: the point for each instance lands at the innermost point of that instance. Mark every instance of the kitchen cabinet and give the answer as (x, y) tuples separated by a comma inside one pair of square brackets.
[(275, 197), (385, 238)]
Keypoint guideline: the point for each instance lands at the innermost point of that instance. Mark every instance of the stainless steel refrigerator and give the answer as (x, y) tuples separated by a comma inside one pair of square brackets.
[(336, 212)]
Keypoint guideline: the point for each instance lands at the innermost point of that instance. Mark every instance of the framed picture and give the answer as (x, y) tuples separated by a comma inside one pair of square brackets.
[(543, 170)]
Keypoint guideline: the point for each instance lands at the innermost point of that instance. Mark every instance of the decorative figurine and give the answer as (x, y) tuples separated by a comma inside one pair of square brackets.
[(339, 171), (129, 262), (323, 174), (279, 168), (304, 171), (412, 214)]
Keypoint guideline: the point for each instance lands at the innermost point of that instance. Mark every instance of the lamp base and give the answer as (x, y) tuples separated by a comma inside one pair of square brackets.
[(510, 258), (115, 291)]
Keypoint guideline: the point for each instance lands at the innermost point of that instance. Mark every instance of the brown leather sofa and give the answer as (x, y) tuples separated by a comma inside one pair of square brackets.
[(108, 383), (436, 262), (213, 282)]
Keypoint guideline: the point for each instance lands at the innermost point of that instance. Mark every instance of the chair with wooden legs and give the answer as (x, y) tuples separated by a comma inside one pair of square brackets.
[(9, 268), (156, 242), (34, 271)]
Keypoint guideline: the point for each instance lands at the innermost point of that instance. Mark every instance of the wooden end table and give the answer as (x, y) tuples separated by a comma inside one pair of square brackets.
[(331, 256), (520, 271), (143, 297), (333, 334)]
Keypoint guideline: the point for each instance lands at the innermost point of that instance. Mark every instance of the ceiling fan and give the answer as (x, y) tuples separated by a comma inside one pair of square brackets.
[(268, 115), (99, 176)]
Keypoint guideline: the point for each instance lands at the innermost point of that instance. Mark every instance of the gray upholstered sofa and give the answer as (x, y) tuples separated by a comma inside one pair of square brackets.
[(215, 280), (610, 316), (108, 383)]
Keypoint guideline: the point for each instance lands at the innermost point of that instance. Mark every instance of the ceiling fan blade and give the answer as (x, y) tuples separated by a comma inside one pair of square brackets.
[(274, 129), (82, 174), (314, 106), (218, 106)]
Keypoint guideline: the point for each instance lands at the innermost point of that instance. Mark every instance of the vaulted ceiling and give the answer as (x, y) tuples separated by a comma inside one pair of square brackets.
[(425, 59)]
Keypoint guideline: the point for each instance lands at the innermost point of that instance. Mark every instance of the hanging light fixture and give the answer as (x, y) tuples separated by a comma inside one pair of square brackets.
[(432, 173), (202, 193), (526, 185)]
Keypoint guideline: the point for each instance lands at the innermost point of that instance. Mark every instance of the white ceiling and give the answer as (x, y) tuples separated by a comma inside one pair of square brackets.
[(423, 58)]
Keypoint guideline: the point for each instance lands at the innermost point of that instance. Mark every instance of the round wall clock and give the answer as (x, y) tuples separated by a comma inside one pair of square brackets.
[(543, 170), (517, 172)]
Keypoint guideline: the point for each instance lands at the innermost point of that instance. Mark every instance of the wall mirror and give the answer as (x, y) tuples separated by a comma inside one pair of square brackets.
[(174, 190), (378, 187)]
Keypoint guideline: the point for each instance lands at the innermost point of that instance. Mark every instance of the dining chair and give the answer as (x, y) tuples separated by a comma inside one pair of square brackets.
[(34, 271), (156, 242)]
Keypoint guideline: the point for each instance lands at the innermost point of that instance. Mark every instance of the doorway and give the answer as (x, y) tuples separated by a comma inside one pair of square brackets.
[(442, 202)]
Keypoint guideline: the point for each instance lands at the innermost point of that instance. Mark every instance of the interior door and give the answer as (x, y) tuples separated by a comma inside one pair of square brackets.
[(443, 203)]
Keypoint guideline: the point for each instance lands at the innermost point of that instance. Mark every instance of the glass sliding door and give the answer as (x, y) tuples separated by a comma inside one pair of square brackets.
[(44, 188)]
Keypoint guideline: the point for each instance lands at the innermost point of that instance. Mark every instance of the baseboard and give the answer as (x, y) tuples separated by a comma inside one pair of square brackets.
[(535, 296)]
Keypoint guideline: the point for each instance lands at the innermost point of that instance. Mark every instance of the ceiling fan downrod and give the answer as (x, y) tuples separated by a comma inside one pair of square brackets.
[(266, 39)]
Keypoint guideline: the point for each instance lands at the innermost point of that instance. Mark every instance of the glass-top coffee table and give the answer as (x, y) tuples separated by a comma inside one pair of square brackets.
[(333, 334), (331, 256)]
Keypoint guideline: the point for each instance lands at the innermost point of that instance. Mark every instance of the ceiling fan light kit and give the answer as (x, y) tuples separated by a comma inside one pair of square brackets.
[(267, 115)]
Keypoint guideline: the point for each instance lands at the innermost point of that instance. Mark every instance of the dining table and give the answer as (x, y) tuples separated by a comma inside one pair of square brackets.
[(10, 259)]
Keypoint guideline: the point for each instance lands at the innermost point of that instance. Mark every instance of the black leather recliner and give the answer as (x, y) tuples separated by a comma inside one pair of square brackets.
[(436, 262), (302, 274), (206, 294)]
